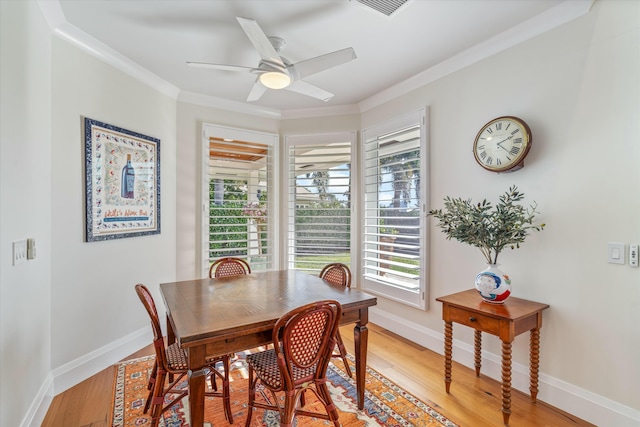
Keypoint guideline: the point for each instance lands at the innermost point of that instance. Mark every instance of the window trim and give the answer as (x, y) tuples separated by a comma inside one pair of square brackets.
[(271, 139), (419, 300), (334, 137), (278, 190)]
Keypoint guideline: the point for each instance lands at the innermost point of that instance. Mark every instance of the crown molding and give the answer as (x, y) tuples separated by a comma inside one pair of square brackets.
[(53, 14), (564, 12), (227, 105), (337, 110), (552, 18)]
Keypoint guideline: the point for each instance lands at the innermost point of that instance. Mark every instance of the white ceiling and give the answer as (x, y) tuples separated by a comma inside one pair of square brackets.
[(420, 38)]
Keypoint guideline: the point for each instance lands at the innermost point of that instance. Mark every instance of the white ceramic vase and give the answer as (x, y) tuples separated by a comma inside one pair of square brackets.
[(493, 284)]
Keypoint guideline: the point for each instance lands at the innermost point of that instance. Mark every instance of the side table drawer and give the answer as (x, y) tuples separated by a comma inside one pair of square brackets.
[(475, 320)]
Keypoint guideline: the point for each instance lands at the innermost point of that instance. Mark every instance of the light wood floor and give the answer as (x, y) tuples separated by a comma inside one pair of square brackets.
[(473, 401)]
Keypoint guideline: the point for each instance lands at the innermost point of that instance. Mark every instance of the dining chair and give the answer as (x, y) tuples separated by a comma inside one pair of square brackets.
[(338, 274), (303, 340), (228, 267), (172, 361)]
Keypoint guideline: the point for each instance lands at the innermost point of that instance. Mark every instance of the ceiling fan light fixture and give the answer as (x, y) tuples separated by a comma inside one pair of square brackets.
[(275, 79)]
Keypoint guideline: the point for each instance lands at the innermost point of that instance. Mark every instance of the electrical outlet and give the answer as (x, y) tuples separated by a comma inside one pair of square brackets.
[(19, 252)]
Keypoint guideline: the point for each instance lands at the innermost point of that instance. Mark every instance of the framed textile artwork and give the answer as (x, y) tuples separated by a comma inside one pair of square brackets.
[(122, 184)]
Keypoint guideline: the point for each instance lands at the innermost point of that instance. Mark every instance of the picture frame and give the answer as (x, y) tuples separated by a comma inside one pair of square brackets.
[(122, 184)]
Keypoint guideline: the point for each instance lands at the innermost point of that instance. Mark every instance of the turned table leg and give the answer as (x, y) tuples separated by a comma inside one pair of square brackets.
[(448, 341), (534, 362), (361, 337), (506, 381), (505, 321), (477, 351)]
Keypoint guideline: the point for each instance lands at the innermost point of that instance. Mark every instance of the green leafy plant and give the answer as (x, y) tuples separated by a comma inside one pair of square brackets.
[(386, 229), (487, 227)]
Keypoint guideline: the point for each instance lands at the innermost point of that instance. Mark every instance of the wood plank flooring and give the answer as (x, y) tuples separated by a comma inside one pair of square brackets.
[(473, 401)]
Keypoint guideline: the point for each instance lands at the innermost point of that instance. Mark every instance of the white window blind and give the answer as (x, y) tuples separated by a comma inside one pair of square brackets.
[(238, 181), (394, 248), (319, 201)]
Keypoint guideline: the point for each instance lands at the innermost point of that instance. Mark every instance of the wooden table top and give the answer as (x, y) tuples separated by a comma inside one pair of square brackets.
[(513, 308), (207, 310)]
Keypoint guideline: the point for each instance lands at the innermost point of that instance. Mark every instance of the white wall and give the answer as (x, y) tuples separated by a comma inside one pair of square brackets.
[(191, 117), (189, 176), (71, 311), (93, 300), (25, 208), (578, 87)]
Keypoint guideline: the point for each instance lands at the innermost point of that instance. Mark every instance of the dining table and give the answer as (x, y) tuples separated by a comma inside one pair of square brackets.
[(213, 317)]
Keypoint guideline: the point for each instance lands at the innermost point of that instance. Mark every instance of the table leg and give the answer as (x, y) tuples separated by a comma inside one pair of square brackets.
[(534, 350), (448, 341), (477, 347), (197, 376), (171, 338), (360, 339), (506, 381)]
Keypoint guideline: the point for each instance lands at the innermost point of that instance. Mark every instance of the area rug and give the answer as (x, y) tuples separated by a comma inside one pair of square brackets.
[(386, 404)]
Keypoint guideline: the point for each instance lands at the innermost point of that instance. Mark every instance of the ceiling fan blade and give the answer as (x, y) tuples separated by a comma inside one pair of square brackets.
[(257, 91), (308, 89), (260, 41), (224, 67), (320, 63)]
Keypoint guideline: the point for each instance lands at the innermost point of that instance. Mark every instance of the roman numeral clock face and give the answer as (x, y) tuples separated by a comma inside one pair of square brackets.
[(502, 144)]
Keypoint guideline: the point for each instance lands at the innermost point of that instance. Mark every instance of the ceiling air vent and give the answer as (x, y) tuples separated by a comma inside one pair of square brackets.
[(386, 7)]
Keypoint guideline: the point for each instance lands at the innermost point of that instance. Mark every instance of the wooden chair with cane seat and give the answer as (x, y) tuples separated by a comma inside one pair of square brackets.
[(228, 267), (303, 340), (338, 274), (172, 361)]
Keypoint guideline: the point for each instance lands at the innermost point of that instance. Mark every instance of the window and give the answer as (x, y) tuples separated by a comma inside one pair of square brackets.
[(319, 201), (394, 232), (238, 198)]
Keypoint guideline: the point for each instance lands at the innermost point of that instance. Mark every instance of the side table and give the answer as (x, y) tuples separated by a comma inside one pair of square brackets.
[(505, 321)]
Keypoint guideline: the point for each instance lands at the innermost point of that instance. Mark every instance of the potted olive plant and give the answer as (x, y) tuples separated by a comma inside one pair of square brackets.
[(491, 229)]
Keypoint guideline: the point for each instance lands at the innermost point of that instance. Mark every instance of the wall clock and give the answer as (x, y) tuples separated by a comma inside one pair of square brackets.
[(502, 144)]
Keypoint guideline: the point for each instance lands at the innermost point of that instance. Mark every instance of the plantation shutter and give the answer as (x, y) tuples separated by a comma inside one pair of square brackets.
[(319, 201), (238, 179), (393, 248)]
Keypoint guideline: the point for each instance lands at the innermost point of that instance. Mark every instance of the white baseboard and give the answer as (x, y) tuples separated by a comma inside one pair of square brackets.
[(78, 370), (574, 400), (40, 404)]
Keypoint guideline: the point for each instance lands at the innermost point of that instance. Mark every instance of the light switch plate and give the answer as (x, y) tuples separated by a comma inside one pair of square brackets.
[(19, 252), (615, 253)]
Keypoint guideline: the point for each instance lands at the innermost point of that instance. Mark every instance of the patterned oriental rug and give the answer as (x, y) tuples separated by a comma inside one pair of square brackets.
[(386, 404)]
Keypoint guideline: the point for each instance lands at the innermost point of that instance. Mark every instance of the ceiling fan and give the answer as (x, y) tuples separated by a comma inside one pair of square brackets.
[(275, 71)]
